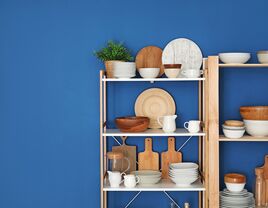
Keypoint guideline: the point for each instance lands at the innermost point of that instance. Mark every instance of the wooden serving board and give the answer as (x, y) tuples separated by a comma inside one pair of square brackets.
[(129, 152), (150, 57), (148, 160), (170, 156), (265, 176)]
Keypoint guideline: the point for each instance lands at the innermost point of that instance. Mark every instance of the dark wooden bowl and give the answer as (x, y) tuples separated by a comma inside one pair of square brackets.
[(234, 178), (172, 66), (254, 112), (132, 124)]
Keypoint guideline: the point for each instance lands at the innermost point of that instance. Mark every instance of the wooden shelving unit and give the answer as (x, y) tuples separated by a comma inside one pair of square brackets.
[(163, 185), (213, 67)]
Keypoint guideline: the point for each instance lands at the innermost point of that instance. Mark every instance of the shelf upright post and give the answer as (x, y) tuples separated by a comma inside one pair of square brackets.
[(103, 203), (213, 130)]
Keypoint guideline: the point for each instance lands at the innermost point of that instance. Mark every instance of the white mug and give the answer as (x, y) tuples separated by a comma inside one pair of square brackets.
[(168, 123), (115, 178), (192, 126), (130, 181), (192, 73)]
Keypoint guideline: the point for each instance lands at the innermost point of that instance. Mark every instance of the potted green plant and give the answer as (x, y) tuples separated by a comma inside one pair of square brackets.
[(111, 53)]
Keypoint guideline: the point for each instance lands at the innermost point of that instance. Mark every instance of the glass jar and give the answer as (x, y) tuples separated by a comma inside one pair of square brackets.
[(116, 162)]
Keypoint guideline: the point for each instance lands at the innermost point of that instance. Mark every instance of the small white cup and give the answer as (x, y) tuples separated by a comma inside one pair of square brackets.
[(130, 181), (192, 126), (192, 73)]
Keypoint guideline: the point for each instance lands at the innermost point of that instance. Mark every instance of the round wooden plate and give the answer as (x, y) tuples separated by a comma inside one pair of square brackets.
[(150, 57), (183, 51), (154, 103)]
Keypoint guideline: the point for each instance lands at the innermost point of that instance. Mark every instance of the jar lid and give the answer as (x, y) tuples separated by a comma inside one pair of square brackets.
[(115, 155), (234, 178)]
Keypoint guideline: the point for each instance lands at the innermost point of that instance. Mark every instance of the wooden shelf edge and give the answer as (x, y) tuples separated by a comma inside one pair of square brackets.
[(245, 138), (253, 65)]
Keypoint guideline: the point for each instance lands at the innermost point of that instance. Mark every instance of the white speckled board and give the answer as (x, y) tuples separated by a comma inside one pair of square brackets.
[(183, 51)]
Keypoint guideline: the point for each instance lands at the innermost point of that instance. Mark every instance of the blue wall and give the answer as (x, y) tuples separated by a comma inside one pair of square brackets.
[(49, 109)]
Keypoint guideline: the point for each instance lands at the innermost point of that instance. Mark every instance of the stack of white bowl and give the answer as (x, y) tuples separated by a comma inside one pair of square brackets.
[(124, 69), (183, 174), (233, 132), (148, 177)]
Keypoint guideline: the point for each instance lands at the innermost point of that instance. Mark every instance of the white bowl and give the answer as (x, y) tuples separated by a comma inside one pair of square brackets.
[(256, 127), (149, 72), (233, 133), (183, 181), (184, 166), (172, 72), (234, 58), (235, 187), (263, 57)]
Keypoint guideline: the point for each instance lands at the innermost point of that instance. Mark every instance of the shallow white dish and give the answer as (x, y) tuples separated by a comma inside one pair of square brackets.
[(263, 57), (234, 58), (184, 166), (233, 133), (235, 187), (149, 72), (256, 127)]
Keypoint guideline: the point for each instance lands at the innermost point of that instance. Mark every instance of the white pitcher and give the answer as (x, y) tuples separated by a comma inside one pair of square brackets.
[(115, 178), (167, 123)]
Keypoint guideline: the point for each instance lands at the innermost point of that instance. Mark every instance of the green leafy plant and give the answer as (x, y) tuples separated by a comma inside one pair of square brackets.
[(114, 51)]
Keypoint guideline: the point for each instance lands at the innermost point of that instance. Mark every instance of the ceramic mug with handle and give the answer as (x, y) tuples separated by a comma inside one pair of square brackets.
[(192, 126), (167, 123), (192, 73), (130, 181), (115, 178)]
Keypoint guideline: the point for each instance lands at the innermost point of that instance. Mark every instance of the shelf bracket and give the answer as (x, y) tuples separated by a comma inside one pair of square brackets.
[(171, 199), (133, 199)]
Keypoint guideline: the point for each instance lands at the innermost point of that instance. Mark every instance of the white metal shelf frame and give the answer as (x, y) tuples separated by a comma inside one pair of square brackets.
[(104, 132)]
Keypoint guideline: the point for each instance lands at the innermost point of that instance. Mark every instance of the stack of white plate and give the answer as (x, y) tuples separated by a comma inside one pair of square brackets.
[(148, 177), (183, 174), (124, 69), (243, 199)]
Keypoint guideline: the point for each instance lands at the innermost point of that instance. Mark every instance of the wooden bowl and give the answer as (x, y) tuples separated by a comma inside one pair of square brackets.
[(234, 178), (234, 123), (132, 124), (254, 112), (172, 66)]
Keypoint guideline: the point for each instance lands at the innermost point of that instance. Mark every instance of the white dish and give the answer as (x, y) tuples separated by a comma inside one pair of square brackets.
[(184, 166), (184, 181), (172, 72), (149, 173), (235, 187), (234, 58), (233, 133), (183, 51), (263, 57), (149, 72), (256, 127)]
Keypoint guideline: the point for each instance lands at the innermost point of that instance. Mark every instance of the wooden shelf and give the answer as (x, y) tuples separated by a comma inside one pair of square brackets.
[(151, 80), (163, 185), (152, 132), (243, 65), (245, 138)]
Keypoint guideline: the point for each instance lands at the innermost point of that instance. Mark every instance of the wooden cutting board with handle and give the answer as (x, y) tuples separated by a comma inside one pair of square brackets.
[(170, 156), (148, 160), (265, 176), (129, 152), (150, 57)]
